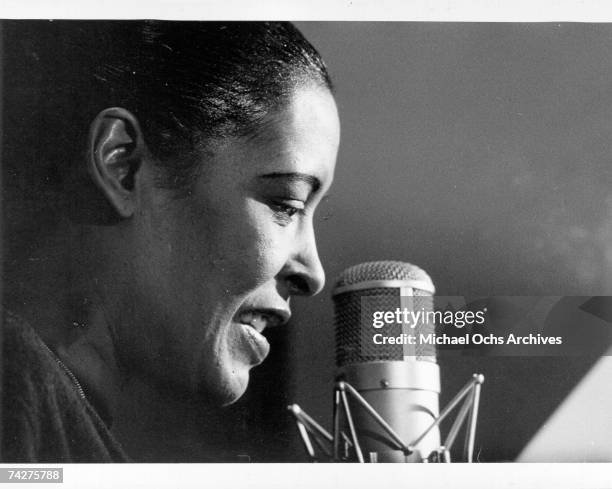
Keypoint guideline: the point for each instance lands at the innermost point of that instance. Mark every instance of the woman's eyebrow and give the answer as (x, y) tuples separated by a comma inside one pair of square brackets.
[(312, 181)]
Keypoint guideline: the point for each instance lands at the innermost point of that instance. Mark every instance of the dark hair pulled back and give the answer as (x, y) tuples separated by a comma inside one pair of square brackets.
[(186, 82)]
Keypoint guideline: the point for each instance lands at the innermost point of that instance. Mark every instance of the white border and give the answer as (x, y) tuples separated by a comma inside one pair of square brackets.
[(383, 10), (331, 476)]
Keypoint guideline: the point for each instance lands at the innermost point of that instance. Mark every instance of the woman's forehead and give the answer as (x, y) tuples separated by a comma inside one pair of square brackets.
[(302, 138)]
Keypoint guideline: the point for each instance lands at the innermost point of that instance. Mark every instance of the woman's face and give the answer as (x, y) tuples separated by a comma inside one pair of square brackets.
[(218, 267)]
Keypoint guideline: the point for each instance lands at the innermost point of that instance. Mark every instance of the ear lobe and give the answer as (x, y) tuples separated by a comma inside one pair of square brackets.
[(115, 153)]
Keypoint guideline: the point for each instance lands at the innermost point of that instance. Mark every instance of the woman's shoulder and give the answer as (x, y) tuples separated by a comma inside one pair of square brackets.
[(30, 369), (26, 359), (45, 415)]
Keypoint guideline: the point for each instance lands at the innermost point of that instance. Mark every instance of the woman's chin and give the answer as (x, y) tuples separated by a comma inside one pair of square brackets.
[(227, 388)]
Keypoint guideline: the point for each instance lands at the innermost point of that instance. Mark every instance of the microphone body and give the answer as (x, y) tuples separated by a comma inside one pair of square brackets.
[(401, 381), (405, 394)]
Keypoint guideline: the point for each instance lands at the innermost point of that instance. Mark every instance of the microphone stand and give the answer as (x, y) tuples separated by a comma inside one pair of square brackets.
[(330, 444)]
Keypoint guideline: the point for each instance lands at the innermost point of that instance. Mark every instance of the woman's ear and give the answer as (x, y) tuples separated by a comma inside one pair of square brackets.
[(114, 156)]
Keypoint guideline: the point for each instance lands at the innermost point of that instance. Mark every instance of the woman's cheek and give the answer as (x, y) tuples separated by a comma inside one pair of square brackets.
[(272, 253), (263, 248)]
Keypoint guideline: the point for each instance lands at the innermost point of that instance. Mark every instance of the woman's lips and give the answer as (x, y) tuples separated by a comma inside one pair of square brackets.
[(253, 321), (258, 345)]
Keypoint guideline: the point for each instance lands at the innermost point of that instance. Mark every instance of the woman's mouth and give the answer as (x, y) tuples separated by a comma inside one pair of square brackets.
[(253, 322), (258, 320)]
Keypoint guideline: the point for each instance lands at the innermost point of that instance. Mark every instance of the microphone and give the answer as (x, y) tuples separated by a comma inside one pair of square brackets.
[(400, 381), (390, 374)]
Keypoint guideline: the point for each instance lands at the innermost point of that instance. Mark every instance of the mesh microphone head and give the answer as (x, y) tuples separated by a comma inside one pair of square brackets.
[(369, 287)]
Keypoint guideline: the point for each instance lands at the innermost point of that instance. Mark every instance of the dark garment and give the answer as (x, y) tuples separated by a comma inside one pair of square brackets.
[(46, 417)]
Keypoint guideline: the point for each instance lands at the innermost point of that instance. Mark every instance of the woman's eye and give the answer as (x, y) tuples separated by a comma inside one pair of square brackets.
[(287, 209)]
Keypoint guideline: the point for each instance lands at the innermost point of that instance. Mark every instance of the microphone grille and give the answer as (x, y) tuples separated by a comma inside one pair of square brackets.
[(362, 290), (380, 270)]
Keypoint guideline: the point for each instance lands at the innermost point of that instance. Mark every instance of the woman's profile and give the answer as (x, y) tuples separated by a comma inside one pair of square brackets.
[(179, 167)]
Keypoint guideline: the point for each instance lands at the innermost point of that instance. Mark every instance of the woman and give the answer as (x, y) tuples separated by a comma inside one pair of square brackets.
[(192, 157)]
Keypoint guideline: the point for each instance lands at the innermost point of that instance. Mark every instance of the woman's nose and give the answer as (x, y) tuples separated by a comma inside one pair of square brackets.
[(304, 273)]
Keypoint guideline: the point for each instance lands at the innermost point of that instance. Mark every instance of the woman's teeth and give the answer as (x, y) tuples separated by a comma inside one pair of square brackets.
[(255, 320)]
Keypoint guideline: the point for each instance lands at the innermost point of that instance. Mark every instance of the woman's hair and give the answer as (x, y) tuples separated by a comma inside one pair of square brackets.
[(186, 82)]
